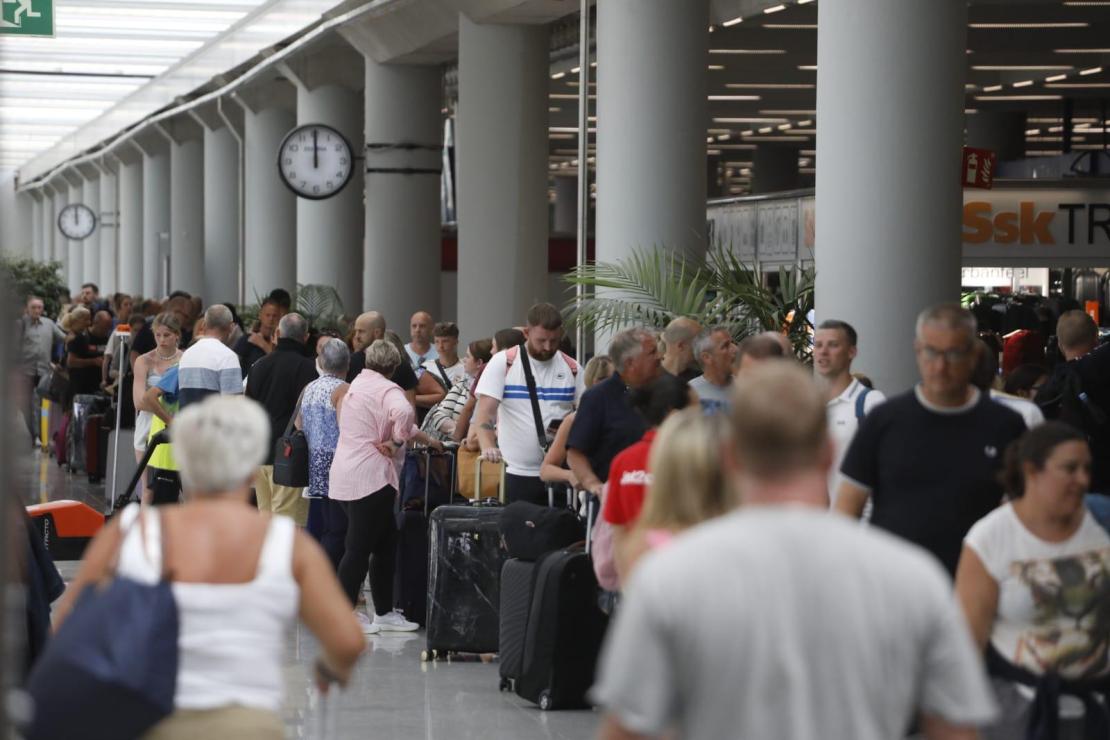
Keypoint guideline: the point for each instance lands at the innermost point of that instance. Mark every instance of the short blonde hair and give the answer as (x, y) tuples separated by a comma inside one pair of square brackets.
[(75, 314), (383, 357), (218, 443), (687, 483), (778, 420)]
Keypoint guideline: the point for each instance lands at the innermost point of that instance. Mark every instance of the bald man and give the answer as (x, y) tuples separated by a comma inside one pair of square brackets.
[(678, 353), (369, 327), (420, 349)]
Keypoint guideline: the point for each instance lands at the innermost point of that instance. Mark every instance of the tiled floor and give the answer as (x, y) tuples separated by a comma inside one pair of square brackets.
[(393, 695)]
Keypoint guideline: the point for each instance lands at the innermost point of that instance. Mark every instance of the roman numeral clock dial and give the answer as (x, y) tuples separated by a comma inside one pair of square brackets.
[(315, 161)]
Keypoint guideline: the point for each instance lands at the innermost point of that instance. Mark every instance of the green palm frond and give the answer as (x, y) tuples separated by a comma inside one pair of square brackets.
[(321, 306)]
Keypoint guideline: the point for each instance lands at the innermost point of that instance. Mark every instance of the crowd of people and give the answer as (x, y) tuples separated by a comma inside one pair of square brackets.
[(778, 544)]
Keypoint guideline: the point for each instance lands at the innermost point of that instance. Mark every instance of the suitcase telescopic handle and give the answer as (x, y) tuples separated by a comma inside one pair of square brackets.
[(160, 438)]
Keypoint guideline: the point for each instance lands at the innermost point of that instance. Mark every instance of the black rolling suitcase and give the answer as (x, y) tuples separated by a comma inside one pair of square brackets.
[(464, 573)]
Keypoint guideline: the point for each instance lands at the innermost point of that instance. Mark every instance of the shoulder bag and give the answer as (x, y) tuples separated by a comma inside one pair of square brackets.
[(291, 454)]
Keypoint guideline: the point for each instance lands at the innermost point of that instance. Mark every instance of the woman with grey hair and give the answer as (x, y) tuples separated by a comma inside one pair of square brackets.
[(240, 579), (375, 421), (320, 422)]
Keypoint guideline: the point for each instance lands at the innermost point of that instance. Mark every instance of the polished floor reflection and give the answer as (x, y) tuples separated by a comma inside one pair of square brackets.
[(394, 696)]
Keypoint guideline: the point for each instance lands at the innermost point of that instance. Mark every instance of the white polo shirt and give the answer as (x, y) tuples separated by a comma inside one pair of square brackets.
[(841, 413)]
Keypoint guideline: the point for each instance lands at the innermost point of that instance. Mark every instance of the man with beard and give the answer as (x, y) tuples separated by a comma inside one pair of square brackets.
[(506, 422)]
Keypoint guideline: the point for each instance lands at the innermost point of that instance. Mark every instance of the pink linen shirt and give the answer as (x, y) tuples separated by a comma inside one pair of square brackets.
[(375, 410)]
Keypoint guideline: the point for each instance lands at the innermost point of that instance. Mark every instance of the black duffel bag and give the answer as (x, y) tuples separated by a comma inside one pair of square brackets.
[(530, 531)]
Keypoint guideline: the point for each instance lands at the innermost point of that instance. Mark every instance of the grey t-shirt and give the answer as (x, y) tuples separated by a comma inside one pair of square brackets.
[(714, 399), (790, 623)]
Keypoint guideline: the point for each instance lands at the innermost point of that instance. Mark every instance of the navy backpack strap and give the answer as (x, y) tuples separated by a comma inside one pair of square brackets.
[(860, 413), (1099, 506)]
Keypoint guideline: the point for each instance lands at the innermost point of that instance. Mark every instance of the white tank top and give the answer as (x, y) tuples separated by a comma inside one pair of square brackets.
[(232, 636)]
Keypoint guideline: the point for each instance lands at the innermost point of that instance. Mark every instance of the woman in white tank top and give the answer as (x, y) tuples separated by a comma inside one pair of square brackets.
[(240, 579)]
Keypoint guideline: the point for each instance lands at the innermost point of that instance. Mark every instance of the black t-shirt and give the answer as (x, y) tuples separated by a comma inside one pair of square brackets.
[(605, 424), (686, 375), (931, 474), (1059, 397), (248, 353), (85, 346), (402, 376), (144, 340)]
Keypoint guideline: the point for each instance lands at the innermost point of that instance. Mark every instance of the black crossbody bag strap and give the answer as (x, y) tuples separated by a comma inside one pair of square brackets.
[(533, 396), (293, 418), (443, 374)]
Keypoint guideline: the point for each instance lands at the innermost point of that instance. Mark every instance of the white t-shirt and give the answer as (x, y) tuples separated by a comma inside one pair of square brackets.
[(454, 372), (558, 390), (714, 399), (1029, 411), (417, 360), (841, 413), (814, 628), (1049, 594)]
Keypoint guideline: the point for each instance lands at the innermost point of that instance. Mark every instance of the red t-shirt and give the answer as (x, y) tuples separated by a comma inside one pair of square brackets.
[(628, 479)]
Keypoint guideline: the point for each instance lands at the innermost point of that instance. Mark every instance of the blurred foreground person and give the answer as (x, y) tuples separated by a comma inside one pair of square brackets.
[(819, 628)]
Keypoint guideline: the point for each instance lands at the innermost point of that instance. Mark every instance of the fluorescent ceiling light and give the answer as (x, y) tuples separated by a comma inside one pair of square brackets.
[(791, 26), (724, 137), (1020, 67), (735, 21), (716, 67), (992, 88), (808, 67), (1055, 78), (749, 119), (1032, 131), (1027, 26), (734, 97), (1086, 3), (575, 70), (774, 9), (558, 75), (1091, 71), (1018, 97), (805, 123), (800, 139), (788, 112), (1082, 51), (770, 86), (748, 51), (766, 130), (1023, 83), (785, 126), (1079, 86)]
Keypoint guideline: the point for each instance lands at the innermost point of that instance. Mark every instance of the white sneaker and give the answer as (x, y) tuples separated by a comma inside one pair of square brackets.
[(368, 626), (394, 622)]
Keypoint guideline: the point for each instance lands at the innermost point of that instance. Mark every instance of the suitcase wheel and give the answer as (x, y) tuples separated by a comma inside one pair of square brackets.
[(506, 685), (545, 700), (427, 656)]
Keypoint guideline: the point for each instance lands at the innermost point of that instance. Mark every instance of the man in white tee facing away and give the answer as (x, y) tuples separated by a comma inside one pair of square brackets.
[(819, 629), (507, 424), (848, 400)]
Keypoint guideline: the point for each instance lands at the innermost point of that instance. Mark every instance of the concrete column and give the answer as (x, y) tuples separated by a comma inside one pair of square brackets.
[(775, 168), (271, 208), (36, 227), (402, 257), (1001, 131), (888, 241), (501, 158), (187, 213), (109, 231), (330, 232), (90, 248), (156, 216), (61, 244), (652, 57), (48, 227), (566, 205), (130, 265), (75, 268), (221, 215)]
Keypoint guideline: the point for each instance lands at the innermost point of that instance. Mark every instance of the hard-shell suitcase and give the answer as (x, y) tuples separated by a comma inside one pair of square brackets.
[(66, 527), (464, 574), (564, 632), (517, 578), (96, 446)]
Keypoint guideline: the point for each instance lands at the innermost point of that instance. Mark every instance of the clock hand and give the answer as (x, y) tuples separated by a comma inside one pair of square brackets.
[(315, 151)]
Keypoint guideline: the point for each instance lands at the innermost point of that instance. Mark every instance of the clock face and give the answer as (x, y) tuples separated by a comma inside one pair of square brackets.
[(315, 161), (76, 221)]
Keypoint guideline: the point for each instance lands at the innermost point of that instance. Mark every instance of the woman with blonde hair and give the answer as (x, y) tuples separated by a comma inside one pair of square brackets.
[(687, 485), (149, 371)]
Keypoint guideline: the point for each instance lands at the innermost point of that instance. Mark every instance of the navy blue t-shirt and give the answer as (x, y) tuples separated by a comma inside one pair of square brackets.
[(605, 424)]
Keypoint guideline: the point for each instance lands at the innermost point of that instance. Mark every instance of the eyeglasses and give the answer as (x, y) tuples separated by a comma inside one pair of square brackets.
[(951, 356)]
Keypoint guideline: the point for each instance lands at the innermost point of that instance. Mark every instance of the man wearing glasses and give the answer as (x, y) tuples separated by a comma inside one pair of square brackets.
[(928, 459)]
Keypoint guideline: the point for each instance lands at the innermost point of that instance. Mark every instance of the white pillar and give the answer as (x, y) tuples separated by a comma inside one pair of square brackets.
[(221, 216), (888, 230), (271, 208), (108, 231), (329, 232), (36, 227), (187, 214), (76, 247), (651, 67), (130, 264), (156, 216), (90, 248), (501, 157), (61, 244), (403, 234), (48, 227)]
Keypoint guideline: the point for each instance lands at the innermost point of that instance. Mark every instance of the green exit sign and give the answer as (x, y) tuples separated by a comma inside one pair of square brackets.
[(27, 17)]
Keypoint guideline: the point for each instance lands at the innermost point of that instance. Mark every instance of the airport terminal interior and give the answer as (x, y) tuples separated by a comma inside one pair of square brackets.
[(465, 160)]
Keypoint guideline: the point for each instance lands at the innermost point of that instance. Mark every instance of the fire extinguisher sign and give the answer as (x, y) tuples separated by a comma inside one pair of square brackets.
[(978, 168)]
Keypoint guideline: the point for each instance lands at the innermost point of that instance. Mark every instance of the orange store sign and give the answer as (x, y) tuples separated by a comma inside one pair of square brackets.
[(1049, 224)]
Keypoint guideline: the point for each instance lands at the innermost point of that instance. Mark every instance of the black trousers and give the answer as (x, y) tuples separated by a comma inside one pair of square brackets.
[(525, 488), (371, 533)]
